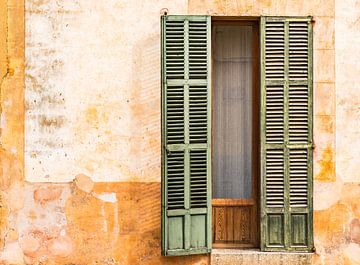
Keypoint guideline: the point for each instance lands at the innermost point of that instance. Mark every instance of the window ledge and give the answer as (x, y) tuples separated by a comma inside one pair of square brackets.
[(256, 257)]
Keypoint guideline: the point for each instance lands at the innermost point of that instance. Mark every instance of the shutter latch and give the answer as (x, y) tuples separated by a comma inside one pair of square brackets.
[(168, 152)]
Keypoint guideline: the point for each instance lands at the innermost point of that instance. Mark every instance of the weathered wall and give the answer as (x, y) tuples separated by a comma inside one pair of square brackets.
[(92, 97), (337, 226), (347, 89), (93, 114)]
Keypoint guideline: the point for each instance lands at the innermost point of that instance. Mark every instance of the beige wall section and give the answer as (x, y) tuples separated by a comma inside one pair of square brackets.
[(347, 90), (93, 84), (93, 89)]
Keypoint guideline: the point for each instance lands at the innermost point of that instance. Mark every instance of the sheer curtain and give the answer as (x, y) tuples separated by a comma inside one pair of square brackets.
[(232, 116)]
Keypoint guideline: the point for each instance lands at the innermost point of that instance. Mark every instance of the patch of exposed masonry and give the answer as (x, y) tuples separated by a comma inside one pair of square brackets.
[(38, 227)]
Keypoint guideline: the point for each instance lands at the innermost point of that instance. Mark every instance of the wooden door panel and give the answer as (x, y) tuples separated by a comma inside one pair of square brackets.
[(233, 226), (219, 224), (242, 225), (229, 219)]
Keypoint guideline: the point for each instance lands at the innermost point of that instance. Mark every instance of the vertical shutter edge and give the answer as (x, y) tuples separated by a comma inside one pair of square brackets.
[(190, 215)]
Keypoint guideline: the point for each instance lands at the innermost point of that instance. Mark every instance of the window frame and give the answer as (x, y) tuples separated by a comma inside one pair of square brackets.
[(309, 210), (287, 233), (255, 192)]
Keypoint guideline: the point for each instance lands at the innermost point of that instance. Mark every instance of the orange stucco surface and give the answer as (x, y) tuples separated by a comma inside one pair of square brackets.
[(118, 222)]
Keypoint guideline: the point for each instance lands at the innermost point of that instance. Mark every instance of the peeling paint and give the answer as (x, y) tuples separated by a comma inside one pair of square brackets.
[(55, 121), (107, 197), (44, 195), (84, 183), (327, 166)]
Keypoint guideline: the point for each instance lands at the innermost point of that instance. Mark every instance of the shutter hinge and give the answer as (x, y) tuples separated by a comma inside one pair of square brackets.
[(168, 152), (164, 11)]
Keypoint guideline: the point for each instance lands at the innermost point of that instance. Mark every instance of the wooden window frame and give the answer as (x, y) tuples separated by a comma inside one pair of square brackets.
[(255, 23), (259, 81)]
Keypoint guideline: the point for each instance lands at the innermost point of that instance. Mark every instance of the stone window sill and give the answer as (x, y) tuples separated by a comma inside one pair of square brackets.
[(256, 257)]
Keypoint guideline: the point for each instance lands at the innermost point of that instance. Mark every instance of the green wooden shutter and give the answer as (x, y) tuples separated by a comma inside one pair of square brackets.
[(286, 134), (186, 173)]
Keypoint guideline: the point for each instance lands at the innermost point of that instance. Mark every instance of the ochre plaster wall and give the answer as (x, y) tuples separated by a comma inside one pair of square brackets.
[(92, 89), (112, 222)]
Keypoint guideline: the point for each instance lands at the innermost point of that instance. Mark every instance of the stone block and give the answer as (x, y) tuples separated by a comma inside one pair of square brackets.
[(330, 226), (228, 8), (324, 131), (324, 66), (324, 152), (245, 257), (324, 99), (298, 8), (323, 8), (324, 32), (324, 166)]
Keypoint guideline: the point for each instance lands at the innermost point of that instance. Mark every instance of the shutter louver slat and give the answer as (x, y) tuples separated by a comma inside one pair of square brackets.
[(197, 49), (274, 114), (175, 115), (175, 183), (274, 50), (298, 114), (174, 50), (274, 178), (198, 176), (286, 129), (198, 114), (298, 170), (186, 189), (298, 50)]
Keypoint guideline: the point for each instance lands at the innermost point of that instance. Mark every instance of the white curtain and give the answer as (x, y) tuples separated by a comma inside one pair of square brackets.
[(232, 116)]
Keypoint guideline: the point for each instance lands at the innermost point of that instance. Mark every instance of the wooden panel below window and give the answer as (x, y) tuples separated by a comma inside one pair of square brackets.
[(233, 226)]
